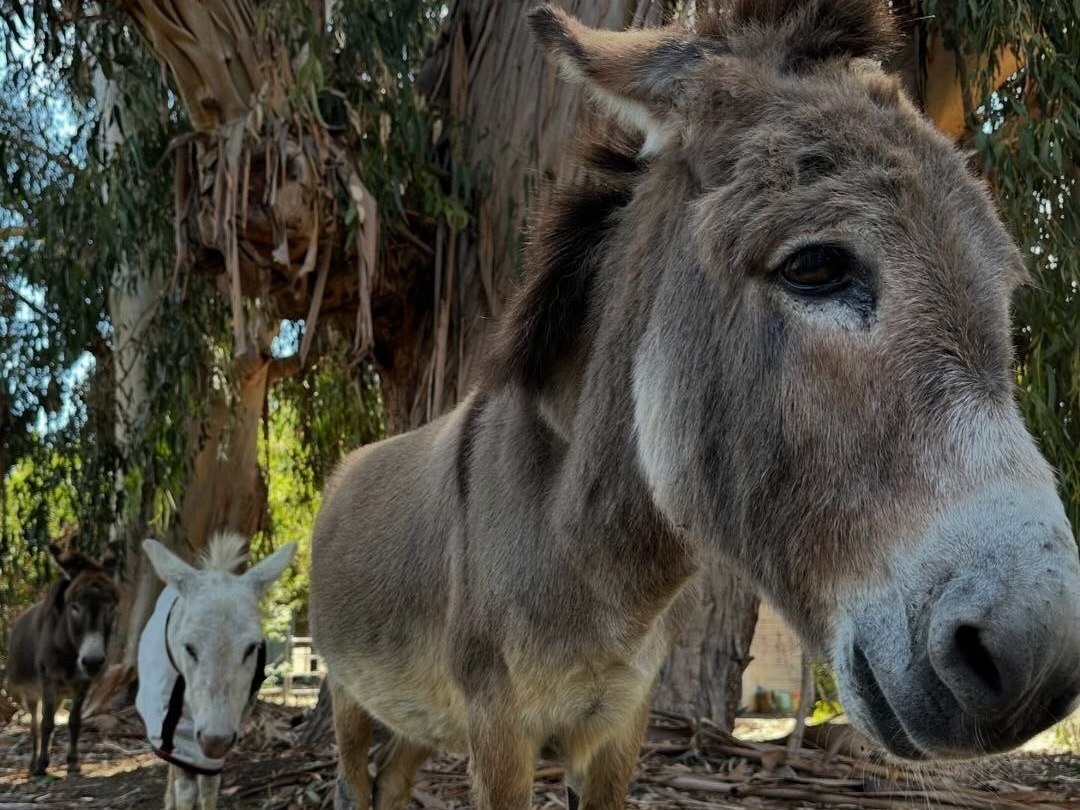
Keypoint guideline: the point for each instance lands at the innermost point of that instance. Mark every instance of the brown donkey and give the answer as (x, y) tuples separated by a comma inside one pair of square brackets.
[(57, 648), (778, 331)]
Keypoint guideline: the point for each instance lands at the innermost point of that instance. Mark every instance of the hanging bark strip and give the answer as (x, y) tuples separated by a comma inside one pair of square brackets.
[(259, 183)]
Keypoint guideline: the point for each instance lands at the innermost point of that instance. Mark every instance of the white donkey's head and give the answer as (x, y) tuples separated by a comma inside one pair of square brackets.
[(214, 631)]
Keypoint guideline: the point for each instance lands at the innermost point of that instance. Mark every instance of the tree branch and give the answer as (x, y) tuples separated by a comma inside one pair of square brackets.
[(23, 299)]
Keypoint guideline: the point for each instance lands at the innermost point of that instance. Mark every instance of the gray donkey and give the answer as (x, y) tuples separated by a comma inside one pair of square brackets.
[(774, 326)]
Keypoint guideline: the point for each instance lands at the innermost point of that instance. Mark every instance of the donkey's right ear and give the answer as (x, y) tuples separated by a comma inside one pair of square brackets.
[(111, 561), (172, 570), (637, 74)]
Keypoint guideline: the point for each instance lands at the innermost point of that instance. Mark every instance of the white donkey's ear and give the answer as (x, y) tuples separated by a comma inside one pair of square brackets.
[(172, 570), (262, 575), (637, 74)]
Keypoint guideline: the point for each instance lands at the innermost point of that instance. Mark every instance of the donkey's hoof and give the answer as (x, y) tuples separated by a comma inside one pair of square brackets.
[(343, 797)]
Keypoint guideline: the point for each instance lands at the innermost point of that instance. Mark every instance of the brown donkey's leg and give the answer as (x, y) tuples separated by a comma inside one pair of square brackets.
[(33, 706), (74, 724), (603, 781), (48, 721), (352, 730), (502, 758), (398, 763)]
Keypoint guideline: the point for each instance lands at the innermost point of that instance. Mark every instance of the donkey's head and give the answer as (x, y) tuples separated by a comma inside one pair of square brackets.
[(214, 632), (86, 601), (822, 376)]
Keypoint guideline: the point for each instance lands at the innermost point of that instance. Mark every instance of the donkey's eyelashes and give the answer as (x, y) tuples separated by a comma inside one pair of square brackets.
[(190, 650), (249, 651)]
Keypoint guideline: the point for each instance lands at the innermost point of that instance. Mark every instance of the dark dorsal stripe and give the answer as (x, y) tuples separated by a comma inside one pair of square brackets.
[(545, 319), (465, 446)]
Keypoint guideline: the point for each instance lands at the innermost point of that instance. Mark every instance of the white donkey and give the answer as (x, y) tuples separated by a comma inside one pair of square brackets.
[(201, 659)]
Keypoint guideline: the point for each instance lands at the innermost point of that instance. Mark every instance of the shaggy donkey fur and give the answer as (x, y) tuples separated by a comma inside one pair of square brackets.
[(772, 323)]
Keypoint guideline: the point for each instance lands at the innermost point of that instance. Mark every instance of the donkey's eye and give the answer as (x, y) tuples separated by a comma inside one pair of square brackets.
[(191, 651), (817, 270), (249, 650)]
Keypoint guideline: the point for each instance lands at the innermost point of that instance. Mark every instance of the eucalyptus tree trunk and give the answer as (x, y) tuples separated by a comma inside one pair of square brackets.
[(490, 76), (248, 198), (133, 300)]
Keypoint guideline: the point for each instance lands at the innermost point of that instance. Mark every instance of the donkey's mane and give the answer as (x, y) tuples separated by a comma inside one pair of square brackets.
[(226, 552), (563, 252)]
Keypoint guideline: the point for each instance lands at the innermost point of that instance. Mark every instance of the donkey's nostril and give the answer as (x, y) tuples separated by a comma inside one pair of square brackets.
[(973, 653)]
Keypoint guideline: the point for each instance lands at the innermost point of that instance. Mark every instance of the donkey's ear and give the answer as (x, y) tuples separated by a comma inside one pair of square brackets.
[(636, 74), (68, 565), (262, 575), (809, 31), (111, 561), (172, 570)]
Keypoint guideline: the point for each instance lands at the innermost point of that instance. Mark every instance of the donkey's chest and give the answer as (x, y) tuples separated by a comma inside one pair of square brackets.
[(571, 709)]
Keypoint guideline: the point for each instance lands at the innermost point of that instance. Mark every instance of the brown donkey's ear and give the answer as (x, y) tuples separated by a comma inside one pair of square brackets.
[(111, 561), (636, 74), (69, 564)]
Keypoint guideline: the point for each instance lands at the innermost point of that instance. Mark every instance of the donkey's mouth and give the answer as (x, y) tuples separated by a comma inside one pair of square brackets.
[(876, 711)]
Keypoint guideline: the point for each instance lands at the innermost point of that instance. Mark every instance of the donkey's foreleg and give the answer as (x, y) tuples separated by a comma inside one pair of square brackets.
[(209, 786), (33, 706), (48, 722), (601, 782), (74, 725), (502, 757), (185, 789), (170, 789), (398, 762), (352, 731)]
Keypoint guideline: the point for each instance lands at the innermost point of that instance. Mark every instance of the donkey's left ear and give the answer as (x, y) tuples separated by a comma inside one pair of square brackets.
[(261, 576), (637, 74)]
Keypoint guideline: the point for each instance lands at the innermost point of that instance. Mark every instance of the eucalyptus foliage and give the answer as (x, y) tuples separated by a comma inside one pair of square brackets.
[(77, 216)]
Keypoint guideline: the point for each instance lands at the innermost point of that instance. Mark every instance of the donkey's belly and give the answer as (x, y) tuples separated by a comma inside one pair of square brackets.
[(417, 699)]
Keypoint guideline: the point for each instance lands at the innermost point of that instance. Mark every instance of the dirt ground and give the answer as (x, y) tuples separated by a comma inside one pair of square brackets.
[(683, 766)]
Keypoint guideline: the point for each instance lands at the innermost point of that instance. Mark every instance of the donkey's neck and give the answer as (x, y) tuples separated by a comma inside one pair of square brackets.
[(603, 495)]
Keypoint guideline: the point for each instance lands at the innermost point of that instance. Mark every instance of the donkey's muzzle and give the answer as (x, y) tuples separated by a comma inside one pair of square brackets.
[(1010, 663), (91, 665), (215, 746), (973, 646)]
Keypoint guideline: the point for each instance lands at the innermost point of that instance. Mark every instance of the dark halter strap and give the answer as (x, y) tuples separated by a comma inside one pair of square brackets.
[(176, 697)]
